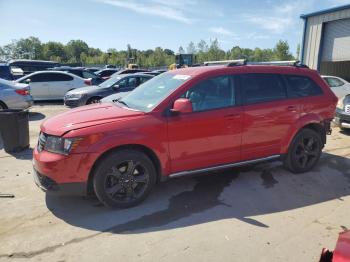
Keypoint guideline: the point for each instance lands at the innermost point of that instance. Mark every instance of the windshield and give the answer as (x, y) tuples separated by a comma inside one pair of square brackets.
[(110, 82), (148, 95)]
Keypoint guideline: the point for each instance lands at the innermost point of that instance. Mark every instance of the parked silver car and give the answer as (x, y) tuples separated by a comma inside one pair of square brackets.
[(14, 95), (342, 115)]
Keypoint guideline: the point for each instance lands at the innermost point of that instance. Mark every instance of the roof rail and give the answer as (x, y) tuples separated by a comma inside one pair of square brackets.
[(296, 63), (226, 62)]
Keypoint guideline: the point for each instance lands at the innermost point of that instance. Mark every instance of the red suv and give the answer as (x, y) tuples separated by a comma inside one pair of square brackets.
[(184, 122)]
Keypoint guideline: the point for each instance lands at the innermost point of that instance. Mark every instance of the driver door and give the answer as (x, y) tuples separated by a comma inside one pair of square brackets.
[(211, 134)]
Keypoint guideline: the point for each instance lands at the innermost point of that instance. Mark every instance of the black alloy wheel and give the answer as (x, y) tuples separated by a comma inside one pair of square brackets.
[(304, 152)]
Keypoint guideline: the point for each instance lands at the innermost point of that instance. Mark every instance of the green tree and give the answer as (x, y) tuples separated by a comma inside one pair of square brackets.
[(74, 48), (191, 48), (181, 50), (54, 51), (298, 52), (281, 51)]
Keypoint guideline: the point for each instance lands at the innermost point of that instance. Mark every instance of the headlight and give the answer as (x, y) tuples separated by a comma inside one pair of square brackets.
[(340, 105), (60, 145), (76, 96)]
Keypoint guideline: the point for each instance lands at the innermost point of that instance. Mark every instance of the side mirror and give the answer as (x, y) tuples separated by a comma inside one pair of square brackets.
[(115, 87), (182, 105), (28, 80)]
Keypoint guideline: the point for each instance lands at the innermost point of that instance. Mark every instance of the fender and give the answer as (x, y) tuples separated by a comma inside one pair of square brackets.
[(296, 127), (149, 132)]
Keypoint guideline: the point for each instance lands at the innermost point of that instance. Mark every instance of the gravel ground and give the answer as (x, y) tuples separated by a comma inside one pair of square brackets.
[(256, 213)]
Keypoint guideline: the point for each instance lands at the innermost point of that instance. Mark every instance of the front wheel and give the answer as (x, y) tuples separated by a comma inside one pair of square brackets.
[(124, 178), (304, 152), (93, 100)]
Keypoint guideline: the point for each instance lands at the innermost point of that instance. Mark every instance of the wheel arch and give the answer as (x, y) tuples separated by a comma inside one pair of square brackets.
[(313, 122), (137, 147), (92, 97), (3, 104)]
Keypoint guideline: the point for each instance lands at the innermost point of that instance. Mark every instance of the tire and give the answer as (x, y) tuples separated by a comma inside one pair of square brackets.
[(2, 105), (304, 151), (93, 100), (124, 178)]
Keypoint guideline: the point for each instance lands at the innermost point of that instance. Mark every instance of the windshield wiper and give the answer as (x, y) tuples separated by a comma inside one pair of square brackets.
[(122, 102)]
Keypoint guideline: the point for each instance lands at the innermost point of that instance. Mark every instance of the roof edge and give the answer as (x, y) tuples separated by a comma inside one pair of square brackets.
[(325, 11)]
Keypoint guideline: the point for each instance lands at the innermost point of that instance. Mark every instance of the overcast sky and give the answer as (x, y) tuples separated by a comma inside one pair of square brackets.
[(150, 23)]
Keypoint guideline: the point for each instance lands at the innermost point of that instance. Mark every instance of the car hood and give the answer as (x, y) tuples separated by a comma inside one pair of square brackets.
[(86, 116), (85, 89)]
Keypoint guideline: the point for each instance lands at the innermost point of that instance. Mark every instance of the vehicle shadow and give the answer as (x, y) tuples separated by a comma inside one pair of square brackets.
[(26, 154), (36, 116), (48, 102), (239, 193)]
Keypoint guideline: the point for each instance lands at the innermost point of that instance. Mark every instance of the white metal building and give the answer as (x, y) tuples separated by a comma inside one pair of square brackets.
[(326, 41)]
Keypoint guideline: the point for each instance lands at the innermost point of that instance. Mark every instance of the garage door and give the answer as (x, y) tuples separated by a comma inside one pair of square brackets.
[(336, 41)]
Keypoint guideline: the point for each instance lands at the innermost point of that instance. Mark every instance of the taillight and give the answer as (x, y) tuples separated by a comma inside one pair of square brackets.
[(87, 82), (22, 92)]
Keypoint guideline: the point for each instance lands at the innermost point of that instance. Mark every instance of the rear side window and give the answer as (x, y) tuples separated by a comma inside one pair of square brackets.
[(258, 88), (50, 77), (302, 86), (334, 82)]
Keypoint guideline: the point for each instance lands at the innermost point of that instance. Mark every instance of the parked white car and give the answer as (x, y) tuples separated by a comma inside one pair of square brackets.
[(52, 85), (339, 86)]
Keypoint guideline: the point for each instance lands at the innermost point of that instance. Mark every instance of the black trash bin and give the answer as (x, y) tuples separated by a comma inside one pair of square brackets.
[(14, 129)]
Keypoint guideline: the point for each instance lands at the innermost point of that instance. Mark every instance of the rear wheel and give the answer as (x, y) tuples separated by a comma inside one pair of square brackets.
[(304, 152), (93, 100), (124, 178)]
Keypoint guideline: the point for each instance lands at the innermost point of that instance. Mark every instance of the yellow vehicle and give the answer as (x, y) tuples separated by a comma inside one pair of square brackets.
[(183, 60), (133, 66)]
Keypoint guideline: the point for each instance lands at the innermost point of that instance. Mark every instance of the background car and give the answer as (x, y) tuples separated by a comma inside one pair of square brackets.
[(5, 72), (14, 95), (342, 115), (106, 73), (339, 86), (82, 72), (93, 69), (114, 98), (130, 71), (93, 94), (52, 85)]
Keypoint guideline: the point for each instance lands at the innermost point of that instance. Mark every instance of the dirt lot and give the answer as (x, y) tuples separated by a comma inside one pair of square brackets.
[(257, 213)]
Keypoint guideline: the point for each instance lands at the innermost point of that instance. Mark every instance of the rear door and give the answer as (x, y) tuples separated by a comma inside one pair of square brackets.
[(59, 84), (268, 114), (39, 88), (211, 134)]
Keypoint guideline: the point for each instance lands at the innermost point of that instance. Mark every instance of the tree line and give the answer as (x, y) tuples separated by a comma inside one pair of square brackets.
[(79, 52)]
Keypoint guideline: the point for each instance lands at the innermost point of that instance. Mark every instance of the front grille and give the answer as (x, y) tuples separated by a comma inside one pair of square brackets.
[(41, 141), (347, 109)]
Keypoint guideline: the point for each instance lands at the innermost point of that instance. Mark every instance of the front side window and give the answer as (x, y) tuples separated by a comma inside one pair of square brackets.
[(212, 93), (258, 88), (110, 82), (148, 95), (301, 86), (334, 82), (132, 82)]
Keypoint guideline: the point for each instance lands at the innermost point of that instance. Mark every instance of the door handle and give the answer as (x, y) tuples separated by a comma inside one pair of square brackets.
[(232, 116), (292, 108)]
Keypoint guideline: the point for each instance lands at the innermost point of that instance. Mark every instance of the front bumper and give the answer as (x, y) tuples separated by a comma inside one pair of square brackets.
[(50, 186), (74, 102), (62, 174), (342, 119)]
